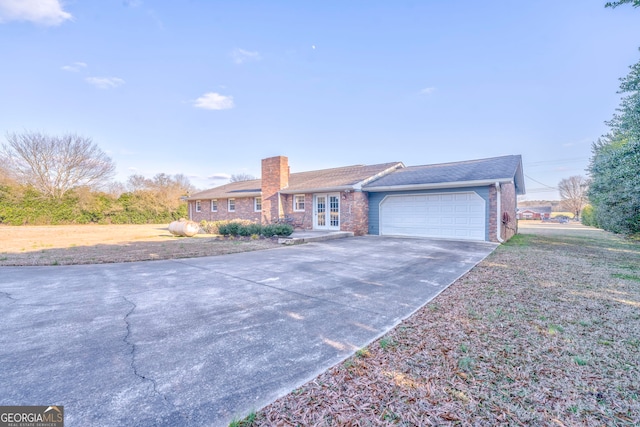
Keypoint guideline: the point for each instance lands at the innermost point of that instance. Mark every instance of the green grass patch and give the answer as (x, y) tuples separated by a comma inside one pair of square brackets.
[(363, 352), (520, 240), (579, 361), (466, 363), (246, 421), (386, 342), (554, 329), (626, 277)]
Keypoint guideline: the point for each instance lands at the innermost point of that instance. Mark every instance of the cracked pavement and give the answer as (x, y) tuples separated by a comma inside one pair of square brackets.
[(202, 341)]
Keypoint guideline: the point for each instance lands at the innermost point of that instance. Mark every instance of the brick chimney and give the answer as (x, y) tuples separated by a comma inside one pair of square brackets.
[(275, 177)]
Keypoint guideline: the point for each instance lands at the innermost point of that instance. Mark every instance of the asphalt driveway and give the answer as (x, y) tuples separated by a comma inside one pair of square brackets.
[(201, 341)]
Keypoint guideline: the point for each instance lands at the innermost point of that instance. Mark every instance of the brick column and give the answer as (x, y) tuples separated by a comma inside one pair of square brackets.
[(275, 177)]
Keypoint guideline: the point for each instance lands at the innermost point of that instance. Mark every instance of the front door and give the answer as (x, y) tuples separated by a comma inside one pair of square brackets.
[(326, 211)]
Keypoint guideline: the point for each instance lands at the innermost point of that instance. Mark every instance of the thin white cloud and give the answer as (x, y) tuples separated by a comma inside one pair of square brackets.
[(214, 101), (44, 12), (219, 176), (241, 56), (75, 67), (105, 82), (428, 90)]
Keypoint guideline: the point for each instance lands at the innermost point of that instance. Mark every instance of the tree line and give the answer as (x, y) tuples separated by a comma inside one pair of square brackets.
[(67, 179), (612, 192)]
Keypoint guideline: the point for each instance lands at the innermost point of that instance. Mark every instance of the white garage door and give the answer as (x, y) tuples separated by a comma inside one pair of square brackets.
[(445, 215)]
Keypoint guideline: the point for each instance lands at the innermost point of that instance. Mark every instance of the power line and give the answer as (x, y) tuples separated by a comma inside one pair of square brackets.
[(541, 183), (539, 190)]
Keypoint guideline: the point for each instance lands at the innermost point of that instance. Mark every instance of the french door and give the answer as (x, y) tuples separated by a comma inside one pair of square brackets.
[(326, 211)]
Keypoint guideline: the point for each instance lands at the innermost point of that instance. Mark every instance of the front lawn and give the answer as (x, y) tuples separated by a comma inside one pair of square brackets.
[(545, 331), (96, 244)]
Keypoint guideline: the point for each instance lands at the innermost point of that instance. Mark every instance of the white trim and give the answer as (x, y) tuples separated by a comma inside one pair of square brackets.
[(255, 204), (229, 204), (438, 185), (327, 211), (216, 207), (304, 200), (484, 211), (320, 190), (198, 205), (498, 215)]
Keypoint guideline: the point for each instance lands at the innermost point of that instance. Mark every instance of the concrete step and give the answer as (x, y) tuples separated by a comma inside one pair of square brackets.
[(299, 237)]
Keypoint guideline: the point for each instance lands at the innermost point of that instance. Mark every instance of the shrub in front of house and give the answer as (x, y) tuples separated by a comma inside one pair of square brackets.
[(222, 226), (245, 228), (281, 230), (250, 229)]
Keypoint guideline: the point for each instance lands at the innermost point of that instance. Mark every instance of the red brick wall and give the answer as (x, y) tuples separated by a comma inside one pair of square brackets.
[(301, 220), (354, 212), (508, 204), (275, 177), (244, 210)]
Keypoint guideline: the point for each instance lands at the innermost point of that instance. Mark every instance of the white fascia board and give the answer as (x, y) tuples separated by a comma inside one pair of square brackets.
[(320, 190), (358, 186), (437, 185), (227, 196)]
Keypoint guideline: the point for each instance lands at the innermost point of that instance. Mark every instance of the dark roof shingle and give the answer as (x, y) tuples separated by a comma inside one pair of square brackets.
[(303, 181), (496, 168)]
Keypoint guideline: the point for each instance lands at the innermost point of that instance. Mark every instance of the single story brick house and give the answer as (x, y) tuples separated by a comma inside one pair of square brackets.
[(538, 212), (469, 200)]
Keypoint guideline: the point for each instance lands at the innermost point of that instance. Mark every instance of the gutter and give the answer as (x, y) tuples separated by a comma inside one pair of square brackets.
[(437, 185), (498, 210), (237, 195), (319, 190)]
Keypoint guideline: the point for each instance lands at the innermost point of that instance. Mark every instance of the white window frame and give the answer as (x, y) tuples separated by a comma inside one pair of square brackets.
[(214, 205), (198, 206), (231, 202), (295, 204), (255, 204)]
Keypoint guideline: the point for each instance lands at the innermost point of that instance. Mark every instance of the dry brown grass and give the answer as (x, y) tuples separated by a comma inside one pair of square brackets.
[(94, 244), (543, 332)]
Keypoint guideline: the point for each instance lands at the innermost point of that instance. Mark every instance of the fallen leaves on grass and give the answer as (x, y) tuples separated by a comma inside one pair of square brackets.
[(537, 334)]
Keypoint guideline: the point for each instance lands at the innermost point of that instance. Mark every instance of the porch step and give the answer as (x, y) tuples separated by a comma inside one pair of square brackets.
[(299, 237)]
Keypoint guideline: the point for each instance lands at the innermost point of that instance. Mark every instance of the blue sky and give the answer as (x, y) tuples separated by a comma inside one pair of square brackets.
[(208, 88)]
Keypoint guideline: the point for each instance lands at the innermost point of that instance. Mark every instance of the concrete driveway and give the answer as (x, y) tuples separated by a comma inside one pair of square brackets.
[(199, 342)]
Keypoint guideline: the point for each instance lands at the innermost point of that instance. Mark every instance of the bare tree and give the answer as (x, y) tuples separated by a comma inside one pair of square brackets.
[(241, 177), (163, 190), (573, 192), (55, 165)]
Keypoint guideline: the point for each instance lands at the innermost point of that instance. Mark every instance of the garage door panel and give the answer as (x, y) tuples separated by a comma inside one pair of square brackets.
[(446, 215)]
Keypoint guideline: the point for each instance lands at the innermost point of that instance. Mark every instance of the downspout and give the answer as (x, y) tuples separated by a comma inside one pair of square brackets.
[(280, 211), (498, 209)]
